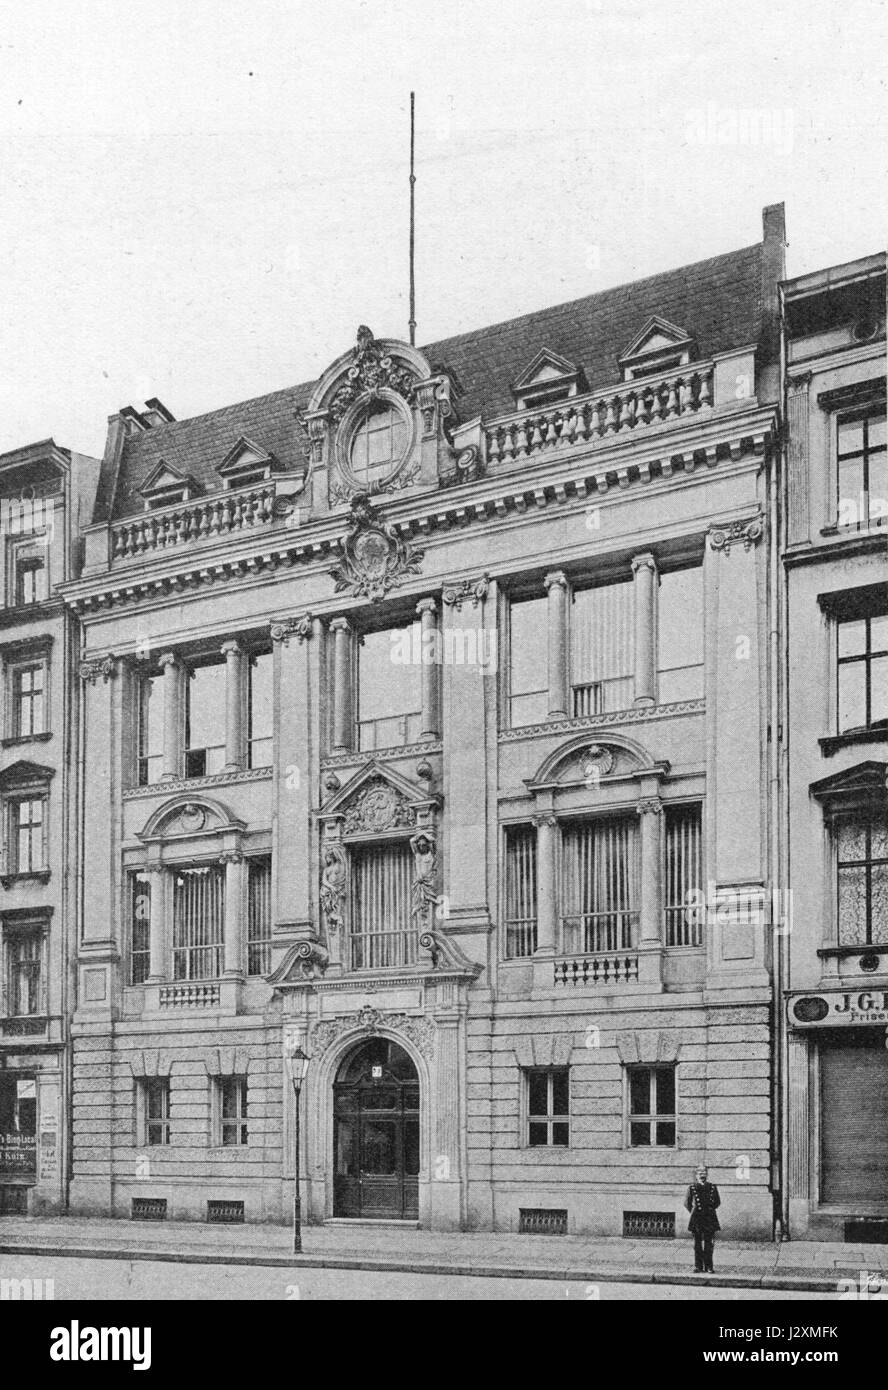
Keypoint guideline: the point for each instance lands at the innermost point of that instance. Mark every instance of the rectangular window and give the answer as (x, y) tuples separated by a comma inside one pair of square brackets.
[(521, 890), (862, 470), (150, 730), (260, 706), (862, 673), (155, 1098), (205, 720), (29, 574), (198, 916), (599, 886), (140, 927), (548, 1107), (651, 1107), (383, 929), (27, 835), (862, 879), (683, 877), (680, 635), (528, 661), (24, 972), (258, 916), (602, 638), (27, 687), (389, 688), (232, 1101)]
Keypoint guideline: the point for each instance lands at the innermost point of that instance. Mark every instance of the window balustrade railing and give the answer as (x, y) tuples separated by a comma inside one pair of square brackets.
[(197, 962), (599, 697), (205, 518), (390, 731), (598, 416)]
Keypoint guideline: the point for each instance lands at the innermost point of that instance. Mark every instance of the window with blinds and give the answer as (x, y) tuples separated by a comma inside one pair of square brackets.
[(862, 879), (258, 916), (683, 877), (382, 929), (528, 661), (598, 886), (602, 638), (389, 688), (140, 928), (198, 917), (521, 890)]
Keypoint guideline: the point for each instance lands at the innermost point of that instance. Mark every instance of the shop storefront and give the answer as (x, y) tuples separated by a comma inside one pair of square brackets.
[(838, 1114), (30, 1136)]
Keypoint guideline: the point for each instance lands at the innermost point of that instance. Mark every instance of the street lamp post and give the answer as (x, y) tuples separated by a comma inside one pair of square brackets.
[(297, 1066)]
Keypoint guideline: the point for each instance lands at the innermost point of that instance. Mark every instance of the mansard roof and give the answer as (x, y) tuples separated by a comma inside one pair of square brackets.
[(717, 300)]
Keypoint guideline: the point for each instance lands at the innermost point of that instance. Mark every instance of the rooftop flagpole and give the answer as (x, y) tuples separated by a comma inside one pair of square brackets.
[(412, 232)]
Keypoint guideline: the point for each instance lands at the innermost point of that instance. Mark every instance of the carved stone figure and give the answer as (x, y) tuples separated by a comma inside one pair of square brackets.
[(333, 884), (424, 889)]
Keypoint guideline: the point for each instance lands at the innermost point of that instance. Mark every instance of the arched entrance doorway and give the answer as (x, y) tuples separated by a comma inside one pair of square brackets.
[(376, 1133)]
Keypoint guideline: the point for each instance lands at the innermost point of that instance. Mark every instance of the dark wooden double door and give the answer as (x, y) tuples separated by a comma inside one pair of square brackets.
[(376, 1133)]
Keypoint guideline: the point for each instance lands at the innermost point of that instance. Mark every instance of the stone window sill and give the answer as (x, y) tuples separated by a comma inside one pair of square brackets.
[(12, 880), (25, 738), (834, 742)]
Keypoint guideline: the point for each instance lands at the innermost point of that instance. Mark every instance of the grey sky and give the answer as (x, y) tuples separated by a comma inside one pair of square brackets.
[(202, 199)]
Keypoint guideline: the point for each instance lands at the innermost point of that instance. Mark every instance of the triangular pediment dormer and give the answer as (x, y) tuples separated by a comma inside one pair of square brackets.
[(165, 484), (245, 463), (378, 801), (549, 377), (657, 346)]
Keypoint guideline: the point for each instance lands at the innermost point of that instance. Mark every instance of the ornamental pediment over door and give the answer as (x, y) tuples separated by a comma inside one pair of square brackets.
[(378, 801), (187, 817), (589, 760)]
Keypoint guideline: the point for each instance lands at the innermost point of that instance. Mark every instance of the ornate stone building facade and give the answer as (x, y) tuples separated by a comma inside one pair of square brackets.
[(46, 494), (835, 788), (425, 727)]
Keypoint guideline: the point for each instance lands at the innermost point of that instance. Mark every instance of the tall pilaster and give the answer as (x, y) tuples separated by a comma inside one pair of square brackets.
[(644, 571), (343, 721), (234, 706), (292, 879), (556, 589), (430, 646), (172, 716)]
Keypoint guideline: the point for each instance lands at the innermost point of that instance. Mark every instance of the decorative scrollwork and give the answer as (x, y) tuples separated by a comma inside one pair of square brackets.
[(455, 595), (749, 532), (374, 559)]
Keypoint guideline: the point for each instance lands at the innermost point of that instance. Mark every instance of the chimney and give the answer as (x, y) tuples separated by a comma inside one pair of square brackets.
[(773, 271), (156, 413)]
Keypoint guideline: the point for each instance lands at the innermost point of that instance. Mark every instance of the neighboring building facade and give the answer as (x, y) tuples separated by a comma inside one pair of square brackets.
[(425, 728), (46, 494), (835, 857)]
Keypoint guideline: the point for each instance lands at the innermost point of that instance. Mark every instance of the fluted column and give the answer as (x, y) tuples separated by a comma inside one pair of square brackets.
[(556, 588), (157, 924), (649, 815), (234, 913), (546, 900), (172, 718), (342, 685), (429, 648), (234, 706), (644, 570)]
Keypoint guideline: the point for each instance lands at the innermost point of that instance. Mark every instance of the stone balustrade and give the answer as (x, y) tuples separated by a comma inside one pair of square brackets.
[(193, 996), (206, 518), (617, 968), (586, 419)]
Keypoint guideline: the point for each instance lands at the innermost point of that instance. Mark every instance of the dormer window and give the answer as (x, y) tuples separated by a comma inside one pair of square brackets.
[(659, 347), (165, 486), (245, 465), (548, 379)]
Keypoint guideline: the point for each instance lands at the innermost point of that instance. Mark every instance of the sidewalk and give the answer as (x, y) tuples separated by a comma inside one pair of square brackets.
[(796, 1266)]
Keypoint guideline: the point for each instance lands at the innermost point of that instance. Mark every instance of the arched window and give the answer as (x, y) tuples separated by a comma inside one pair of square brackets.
[(378, 444)]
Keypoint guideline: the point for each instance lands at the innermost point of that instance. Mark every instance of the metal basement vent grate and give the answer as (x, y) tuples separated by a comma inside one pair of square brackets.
[(866, 1232), (225, 1211), (649, 1225), (13, 1201), (542, 1221), (149, 1208)]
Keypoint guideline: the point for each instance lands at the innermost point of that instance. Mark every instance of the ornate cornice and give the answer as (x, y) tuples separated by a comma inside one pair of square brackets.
[(407, 750), (182, 784), (287, 627), (455, 595), (595, 721), (749, 532)]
